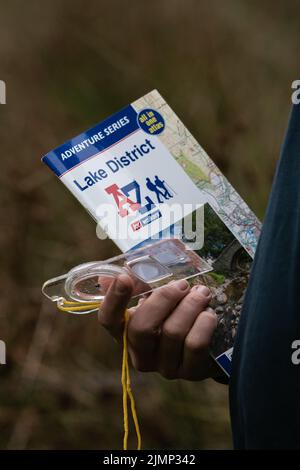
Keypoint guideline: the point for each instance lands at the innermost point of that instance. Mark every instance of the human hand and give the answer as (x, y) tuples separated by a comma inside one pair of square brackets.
[(168, 332)]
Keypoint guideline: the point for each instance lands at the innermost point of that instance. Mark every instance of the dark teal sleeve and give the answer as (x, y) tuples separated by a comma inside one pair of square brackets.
[(265, 384)]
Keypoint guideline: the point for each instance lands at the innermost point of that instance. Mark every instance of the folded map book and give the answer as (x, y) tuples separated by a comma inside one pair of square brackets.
[(141, 161)]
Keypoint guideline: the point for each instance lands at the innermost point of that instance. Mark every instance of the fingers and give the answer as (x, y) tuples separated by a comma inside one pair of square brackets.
[(157, 307), (177, 326), (111, 312), (169, 331), (145, 323), (196, 364)]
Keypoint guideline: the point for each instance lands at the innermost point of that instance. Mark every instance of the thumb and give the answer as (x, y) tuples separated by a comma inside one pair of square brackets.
[(111, 311)]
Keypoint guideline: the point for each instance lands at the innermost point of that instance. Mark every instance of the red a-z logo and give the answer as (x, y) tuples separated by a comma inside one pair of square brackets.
[(128, 198)]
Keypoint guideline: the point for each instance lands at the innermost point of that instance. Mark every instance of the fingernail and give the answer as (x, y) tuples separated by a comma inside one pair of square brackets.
[(210, 310), (141, 300), (120, 286), (182, 284), (203, 290)]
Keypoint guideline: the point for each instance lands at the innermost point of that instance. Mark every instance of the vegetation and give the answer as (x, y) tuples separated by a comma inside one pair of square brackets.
[(226, 69)]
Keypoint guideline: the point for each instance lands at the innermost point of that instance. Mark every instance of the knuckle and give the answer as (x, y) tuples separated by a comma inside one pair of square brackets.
[(196, 346), (210, 316), (142, 330), (166, 293), (172, 332)]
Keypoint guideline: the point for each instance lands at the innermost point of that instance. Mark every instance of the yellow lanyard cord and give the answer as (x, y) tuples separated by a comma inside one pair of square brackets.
[(73, 307), (127, 392)]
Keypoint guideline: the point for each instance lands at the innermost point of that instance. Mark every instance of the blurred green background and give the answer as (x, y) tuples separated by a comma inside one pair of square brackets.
[(226, 69)]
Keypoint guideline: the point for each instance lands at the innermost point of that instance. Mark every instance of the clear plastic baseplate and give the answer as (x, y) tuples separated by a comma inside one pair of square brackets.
[(82, 289), (150, 267)]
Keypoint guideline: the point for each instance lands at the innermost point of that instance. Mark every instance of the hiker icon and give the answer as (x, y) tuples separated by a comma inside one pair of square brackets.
[(160, 188), (163, 185)]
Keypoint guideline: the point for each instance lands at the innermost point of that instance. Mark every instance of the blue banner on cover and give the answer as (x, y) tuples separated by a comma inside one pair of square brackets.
[(91, 142)]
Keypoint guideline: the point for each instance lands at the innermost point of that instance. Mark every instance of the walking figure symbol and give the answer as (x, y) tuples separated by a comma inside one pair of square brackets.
[(161, 189)]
